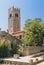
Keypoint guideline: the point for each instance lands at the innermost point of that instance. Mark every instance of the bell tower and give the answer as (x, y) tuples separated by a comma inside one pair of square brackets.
[(13, 20)]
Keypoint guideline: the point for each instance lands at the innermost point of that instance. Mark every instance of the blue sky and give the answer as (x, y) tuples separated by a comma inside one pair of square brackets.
[(30, 9)]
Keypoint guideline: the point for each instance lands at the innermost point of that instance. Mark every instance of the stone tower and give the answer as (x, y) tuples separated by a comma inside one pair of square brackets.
[(13, 20)]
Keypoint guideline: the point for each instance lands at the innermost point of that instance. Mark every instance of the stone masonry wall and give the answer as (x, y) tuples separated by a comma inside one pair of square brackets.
[(32, 49)]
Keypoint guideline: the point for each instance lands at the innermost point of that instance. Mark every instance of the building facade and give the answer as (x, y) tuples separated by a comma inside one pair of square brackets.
[(13, 20), (19, 34)]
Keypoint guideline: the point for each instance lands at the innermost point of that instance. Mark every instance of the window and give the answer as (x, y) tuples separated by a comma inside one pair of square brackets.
[(20, 36), (10, 15), (16, 15), (11, 45)]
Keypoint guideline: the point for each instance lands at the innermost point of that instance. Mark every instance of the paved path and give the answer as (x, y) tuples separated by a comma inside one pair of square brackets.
[(42, 63)]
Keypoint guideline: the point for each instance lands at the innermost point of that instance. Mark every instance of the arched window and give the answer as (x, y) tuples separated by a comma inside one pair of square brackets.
[(10, 15), (16, 15)]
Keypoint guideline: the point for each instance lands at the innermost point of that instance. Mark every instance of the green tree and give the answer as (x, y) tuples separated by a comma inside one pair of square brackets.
[(34, 32), (14, 48), (8, 47)]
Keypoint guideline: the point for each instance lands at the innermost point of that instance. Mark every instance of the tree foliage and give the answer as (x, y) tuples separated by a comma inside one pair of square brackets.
[(34, 32), (8, 46)]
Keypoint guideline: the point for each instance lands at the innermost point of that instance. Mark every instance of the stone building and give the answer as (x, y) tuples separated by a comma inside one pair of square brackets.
[(14, 22), (19, 34)]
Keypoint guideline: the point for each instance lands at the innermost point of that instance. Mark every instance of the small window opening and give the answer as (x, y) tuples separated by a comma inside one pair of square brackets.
[(16, 15)]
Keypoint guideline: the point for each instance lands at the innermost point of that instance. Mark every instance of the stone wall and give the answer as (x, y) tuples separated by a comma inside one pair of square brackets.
[(16, 63), (32, 49), (13, 20)]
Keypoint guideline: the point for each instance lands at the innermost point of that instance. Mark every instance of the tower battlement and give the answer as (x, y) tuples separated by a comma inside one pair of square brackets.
[(13, 19), (14, 8)]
